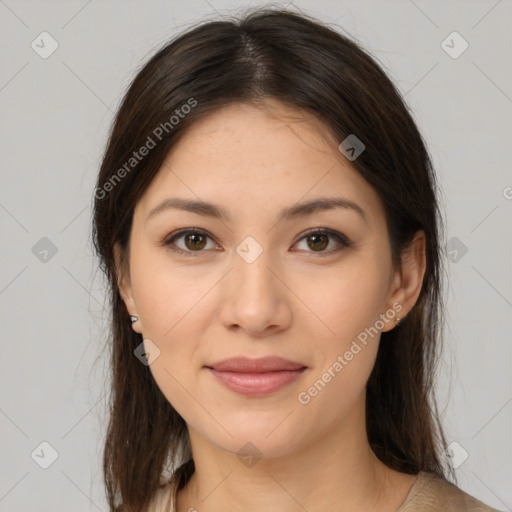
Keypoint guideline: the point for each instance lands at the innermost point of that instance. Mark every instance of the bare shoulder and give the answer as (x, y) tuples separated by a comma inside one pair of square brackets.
[(431, 493)]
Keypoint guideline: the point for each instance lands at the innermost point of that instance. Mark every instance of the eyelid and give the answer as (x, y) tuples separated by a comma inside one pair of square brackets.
[(169, 240), (339, 237)]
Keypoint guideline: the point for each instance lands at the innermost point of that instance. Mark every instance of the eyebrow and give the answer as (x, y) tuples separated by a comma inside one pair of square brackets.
[(218, 212)]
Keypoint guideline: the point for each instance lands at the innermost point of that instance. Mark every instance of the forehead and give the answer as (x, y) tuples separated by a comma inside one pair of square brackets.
[(251, 126), (247, 156)]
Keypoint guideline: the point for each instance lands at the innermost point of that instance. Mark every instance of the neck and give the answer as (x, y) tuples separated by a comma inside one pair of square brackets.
[(337, 471)]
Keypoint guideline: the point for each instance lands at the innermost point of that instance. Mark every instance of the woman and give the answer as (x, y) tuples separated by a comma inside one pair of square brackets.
[(266, 216)]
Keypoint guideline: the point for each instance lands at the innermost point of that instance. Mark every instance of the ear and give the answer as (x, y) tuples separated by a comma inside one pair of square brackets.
[(124, 285), (406, 285)]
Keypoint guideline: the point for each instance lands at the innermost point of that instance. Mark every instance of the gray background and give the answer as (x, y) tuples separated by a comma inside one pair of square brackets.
[(55, 116)]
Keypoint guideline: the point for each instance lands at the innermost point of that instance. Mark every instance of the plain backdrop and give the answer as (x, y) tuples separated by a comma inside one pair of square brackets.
[(56, 111)]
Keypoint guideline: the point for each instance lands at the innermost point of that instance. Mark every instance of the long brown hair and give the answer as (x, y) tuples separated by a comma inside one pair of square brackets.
[(294, 58)]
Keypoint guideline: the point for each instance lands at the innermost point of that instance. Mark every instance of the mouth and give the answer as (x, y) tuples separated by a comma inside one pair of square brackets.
[(256, 377)]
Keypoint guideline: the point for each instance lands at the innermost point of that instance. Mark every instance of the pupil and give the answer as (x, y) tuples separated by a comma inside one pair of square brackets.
[(318, 243), (195, 240)]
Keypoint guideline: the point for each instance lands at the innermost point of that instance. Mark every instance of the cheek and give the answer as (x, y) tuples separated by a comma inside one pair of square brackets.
[(344, 301), (336, 394), (344, 360), (167, 295), (345, 352), (173, 318), (171, 303)]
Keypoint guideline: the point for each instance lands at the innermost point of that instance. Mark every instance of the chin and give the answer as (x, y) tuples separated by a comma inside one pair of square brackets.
[(256, 434)]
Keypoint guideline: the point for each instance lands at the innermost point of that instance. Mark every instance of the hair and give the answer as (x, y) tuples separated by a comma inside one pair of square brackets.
[(303, 63)]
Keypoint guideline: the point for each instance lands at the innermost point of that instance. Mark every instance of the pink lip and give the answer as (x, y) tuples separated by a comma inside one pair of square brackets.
[(256, 377)]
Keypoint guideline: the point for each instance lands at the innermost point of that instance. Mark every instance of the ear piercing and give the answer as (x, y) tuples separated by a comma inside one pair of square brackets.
[(398, 320)]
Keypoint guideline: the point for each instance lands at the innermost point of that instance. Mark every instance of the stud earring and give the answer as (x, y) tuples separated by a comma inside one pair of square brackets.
[(398, 320), (134, 318)]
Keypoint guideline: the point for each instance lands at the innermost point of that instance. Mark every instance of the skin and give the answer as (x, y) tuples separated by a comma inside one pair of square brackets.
[(294, 301)]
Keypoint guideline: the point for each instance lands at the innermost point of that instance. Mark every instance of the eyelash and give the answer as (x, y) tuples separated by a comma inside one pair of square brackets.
[(168, 241)]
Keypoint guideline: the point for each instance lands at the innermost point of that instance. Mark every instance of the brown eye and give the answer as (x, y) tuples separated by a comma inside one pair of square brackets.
[(318, 241), (193, 242)]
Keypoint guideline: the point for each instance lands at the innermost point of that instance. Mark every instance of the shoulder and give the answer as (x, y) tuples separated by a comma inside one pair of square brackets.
[(431, 493)]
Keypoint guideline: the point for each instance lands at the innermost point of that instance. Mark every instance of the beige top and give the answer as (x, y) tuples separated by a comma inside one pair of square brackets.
[(429, 493)]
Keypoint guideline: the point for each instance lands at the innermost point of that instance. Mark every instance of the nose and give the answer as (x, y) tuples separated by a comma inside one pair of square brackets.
[(255, 298)]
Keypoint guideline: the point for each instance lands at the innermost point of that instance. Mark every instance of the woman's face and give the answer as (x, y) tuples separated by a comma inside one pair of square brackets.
[(254, 283)]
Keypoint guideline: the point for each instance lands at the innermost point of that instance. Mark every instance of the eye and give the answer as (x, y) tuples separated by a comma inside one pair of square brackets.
[(318, 240), (195, 240)]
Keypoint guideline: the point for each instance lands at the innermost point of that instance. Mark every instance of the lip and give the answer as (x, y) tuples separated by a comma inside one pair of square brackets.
[(260, 365), (256, 377)]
